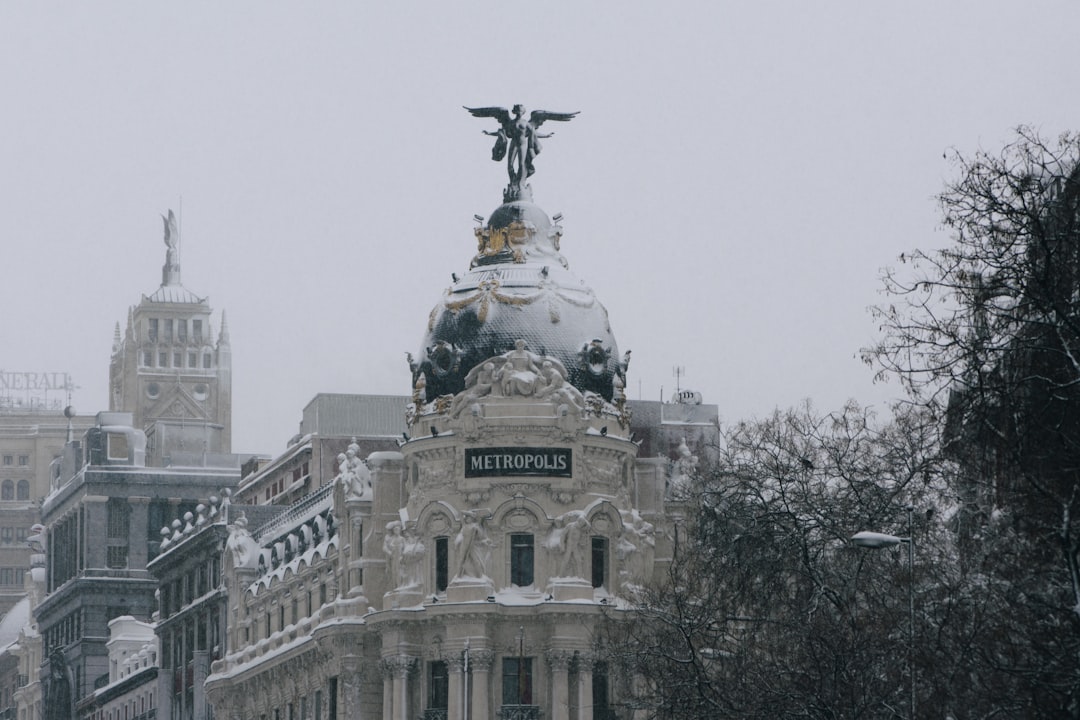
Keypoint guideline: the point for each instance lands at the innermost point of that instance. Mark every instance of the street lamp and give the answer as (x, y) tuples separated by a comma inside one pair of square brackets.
[(876, 541)]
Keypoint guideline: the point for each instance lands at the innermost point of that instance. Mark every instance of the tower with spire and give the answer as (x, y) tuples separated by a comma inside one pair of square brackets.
[(172, 371)]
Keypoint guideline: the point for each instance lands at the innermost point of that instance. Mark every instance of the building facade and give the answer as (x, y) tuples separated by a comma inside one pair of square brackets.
[(468, 572), (32, 435), (102, 527)]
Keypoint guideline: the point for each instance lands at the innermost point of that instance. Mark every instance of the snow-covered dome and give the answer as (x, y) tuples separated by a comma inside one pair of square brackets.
[(519, 286)]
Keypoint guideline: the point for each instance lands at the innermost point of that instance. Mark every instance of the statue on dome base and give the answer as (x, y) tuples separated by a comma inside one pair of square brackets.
[(518, 140)]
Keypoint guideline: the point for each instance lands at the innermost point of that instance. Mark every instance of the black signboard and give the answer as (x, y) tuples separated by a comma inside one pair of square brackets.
[(501, 461)]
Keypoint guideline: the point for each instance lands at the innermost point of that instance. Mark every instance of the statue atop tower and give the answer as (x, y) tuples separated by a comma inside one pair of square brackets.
[(518, 140), (170, 273)]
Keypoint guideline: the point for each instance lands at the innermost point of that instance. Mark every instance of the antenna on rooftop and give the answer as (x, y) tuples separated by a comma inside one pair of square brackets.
[(678, 371)]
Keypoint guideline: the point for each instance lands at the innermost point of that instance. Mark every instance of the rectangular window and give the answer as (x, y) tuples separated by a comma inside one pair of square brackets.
[(442, 563), (24, 460), (9, 459), (181, 330), (206, 361), (599, 561), (192, 360), (438, 685), (178, 359), (521, 560), (517, 681), (168, 330), (601, 702), (196, 330), (152, 330), (163, 359), (119, 518), (148, 358), (7, 535), (116, 557)]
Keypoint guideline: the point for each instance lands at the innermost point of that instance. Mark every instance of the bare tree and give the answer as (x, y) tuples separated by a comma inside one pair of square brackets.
[(985, 333), (767, 610)]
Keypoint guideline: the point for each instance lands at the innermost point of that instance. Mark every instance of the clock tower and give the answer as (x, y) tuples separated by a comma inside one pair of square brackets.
[(172, 372)]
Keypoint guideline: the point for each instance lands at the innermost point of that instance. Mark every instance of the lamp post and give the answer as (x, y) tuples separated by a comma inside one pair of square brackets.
[(876, 541)]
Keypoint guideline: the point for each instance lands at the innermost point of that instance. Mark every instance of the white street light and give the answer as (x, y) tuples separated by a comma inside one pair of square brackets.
[(876, 541)]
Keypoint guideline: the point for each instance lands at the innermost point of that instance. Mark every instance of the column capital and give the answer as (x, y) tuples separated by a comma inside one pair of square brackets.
[(559, 659), (397, 665), (481, 660)]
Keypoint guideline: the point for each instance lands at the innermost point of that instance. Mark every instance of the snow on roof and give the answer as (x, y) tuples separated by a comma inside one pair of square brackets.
[(16, 619)]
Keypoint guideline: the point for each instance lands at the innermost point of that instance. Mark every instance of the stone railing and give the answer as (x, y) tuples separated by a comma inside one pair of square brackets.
[(296, 512), (434, 714), (519, 712)]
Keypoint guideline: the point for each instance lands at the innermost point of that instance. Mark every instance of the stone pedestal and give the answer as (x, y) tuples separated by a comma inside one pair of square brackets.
[(570, 588), (467, 589), (402, 598)]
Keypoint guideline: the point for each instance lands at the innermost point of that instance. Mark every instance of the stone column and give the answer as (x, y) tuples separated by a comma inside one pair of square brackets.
[(399, 668), (559, 662), (584, 676), (201, 670), (137, 531), (351, 679), (480, 661), (387, 668), (455, 666), (405, 665)]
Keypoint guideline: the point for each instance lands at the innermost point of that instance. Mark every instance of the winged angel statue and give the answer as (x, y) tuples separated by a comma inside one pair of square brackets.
[(518, 140)]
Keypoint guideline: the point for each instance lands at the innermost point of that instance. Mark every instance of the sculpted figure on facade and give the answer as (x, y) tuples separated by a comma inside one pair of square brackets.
[(683, 469), (553, 385), (568, 541), (518, 373), (635, 549), (242, 546), (473, 546), (394, 547), (353, 473), (412, 559), (478, 383)]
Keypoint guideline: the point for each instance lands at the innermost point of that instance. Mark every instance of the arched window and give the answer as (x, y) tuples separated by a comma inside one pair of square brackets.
[(7, 490), (22, 490)]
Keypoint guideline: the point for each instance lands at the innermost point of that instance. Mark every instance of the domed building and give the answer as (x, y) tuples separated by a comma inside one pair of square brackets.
[(465, 575)]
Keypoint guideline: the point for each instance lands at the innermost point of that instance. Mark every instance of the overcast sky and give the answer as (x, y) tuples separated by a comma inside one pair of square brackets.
[(737, 177)]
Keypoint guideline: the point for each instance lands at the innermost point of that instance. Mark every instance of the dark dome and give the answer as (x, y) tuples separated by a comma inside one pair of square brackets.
[(518, 287)]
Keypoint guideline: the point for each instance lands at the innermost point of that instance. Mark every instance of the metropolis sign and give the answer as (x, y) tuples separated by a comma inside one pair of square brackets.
[(486, 462)]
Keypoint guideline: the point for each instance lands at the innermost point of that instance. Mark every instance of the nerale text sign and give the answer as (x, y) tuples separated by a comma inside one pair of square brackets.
[(551, 462)]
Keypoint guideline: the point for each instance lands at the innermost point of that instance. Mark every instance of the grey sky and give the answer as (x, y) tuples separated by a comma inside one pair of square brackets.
[(736, 178)]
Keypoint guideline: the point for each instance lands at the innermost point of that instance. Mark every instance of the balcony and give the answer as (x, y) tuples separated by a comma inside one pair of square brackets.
[(519, 712), (434, 714)]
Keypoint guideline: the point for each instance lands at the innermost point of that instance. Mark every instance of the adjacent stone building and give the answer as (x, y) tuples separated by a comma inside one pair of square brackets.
[(146, 463), (33, 430)]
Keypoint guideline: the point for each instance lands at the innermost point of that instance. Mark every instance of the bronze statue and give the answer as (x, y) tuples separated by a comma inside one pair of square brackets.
[(518, 140)]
